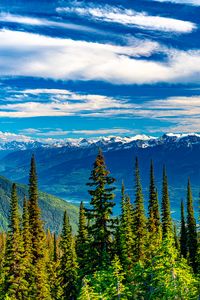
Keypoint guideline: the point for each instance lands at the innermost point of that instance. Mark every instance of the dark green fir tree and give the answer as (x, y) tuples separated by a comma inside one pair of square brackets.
[(140, 222), (192, 230), (100, 215), (166, 214), (15, 285), (68, 263), (40, 288), (183, 233), (153, 208), (82, 241)]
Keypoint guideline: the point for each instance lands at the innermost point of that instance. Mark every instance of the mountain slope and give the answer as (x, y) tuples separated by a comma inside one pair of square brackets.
[(64, 171), (52, 207)]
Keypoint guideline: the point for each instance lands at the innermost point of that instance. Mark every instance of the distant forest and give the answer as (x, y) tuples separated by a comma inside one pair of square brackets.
[(136, 255)]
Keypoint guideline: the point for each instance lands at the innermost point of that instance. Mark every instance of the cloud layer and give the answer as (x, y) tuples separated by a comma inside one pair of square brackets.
[(130, 17), (27, 54)]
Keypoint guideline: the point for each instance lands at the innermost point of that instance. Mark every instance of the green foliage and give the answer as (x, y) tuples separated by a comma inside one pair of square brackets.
[(99, 215), (68, 264), (192, 231), (14, 283), (107, 284), (110, 258), (140, 222), (52, 207), (126, 232), (153, 208), (183, 234), (82, 241), (40, 286), (166, 215), (165, 277)]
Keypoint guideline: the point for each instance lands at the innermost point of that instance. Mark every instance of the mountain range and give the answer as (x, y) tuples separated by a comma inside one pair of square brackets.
[(64, 165)]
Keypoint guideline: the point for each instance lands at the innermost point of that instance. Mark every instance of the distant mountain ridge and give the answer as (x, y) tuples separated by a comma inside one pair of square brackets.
[(64, 168), (105, 142)]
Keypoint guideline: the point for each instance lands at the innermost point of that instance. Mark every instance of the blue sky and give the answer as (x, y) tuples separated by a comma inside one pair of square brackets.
[(93, 68)]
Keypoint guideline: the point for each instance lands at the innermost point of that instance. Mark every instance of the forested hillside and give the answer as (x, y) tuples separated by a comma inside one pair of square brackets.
[(179, 154), (51, 206), (136, 255)]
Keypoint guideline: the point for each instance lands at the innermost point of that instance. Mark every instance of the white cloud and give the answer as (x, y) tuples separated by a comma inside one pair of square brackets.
[(103, 131), (182, 112), (27, 54), (62, 103), (61, 132), (190, 2), (7, 17), (9, 137), (130, 17)]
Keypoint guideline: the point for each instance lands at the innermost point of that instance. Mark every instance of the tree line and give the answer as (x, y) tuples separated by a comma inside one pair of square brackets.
[(136, 255)]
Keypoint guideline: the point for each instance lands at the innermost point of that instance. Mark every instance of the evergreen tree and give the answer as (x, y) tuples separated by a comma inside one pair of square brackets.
[(40, 288), (87, 292), (68, 264), (101, 223), (192, 231), (127, 235), (15, 285), (55, 249), (82, 242), (183, 233), (166, 215), (176, 240), (26, 233), (153, 208), (139, 226)]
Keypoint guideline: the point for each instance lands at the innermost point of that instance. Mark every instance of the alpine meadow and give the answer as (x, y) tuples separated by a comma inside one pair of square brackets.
[(100, 150)]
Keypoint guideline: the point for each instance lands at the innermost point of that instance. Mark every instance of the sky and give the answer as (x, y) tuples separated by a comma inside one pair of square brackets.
[(71, 69)]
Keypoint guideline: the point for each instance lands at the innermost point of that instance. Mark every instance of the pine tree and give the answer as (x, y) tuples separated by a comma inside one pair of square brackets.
[(99, 216), (176, 240), (166, 215), (82, 242), (26, 232), (87, 292), (15, 285), (183, 234), (127, 235), (139, 226), (68, 264), (153, 208), (53, 270), (41, 288), (192, 231), (26, 235), (55, 249)]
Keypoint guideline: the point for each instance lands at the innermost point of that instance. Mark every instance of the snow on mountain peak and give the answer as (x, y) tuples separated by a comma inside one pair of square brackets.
[(12, 142)]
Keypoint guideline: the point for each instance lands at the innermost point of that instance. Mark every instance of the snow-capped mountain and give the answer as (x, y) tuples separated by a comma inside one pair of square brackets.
[(106, 143), (64, 165)]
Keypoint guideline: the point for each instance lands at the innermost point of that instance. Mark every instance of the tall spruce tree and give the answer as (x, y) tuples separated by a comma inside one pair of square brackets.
[(15, 285), (139, 226), (183, 233), (55, 248), (166, 214), (40, 287), (99, 216), (82, 242), (153, 207), (192, 230), (125, 229), (27, 243), (68, 264)]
